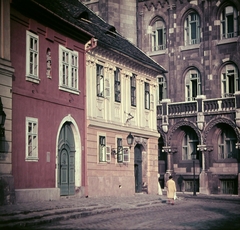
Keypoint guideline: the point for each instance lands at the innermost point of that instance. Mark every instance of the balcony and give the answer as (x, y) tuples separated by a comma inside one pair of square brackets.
[(191, 108)]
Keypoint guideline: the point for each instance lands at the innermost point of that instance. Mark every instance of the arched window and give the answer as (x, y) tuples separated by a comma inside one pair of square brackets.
[(228, 22), (162, 88), (189, 145), (230, 80), (158, 36), (192, 85), (226, 144), (192, 29)]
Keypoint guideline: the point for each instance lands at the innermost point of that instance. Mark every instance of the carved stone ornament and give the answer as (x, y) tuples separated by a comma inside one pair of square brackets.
[(183, 123), (219, 120), (142, 141)]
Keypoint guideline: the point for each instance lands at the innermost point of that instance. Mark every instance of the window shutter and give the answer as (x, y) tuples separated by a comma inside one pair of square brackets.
[(126, 154), (108, 153)]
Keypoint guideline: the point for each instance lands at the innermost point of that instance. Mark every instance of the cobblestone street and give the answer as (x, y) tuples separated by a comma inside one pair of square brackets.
[(187, 214)]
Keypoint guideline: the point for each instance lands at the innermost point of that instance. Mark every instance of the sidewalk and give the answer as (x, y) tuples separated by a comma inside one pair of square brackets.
[(33, 213)]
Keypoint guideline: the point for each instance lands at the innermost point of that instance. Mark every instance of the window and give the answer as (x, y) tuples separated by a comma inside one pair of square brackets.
[(104, 151), (226, 144), (123, 154), (117, 85), (228, 186), (147, 96), (230, 80), (162, 89), (228, 22), (189, 145), (158, 36), (189, 185), (100, 81), (133, 90), (68, 69), (192, 29), (119, 150), (32, 56), (193, 85), (31, 139)]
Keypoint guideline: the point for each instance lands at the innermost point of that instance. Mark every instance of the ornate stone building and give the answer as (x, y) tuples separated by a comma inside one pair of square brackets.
[(198, 112)]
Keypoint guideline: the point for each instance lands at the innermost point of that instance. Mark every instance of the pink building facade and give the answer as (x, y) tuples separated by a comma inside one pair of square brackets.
[(48, 100)]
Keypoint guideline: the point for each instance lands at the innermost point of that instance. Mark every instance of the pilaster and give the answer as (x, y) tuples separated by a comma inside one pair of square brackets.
[(7, 194)]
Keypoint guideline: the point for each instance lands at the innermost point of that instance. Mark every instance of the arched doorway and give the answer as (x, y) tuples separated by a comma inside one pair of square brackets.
[(66, 161), (138, 168)]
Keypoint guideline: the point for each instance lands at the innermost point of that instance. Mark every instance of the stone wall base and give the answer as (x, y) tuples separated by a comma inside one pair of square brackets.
[(7, 195), (38, 194), (203, 182)]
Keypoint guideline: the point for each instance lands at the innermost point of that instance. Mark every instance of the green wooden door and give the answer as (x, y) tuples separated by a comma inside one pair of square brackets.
[(66, 161), (138, 169)]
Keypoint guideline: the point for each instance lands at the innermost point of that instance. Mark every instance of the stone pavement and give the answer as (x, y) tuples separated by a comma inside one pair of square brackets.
[(42, 212)]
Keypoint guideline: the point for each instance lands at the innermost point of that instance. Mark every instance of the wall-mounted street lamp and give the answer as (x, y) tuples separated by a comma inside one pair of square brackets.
[(194, 154), (2, 119), (130, 139)]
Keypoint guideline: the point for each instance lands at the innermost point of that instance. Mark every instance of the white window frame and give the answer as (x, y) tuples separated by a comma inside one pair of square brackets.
[(192, 79), (31, 135), (106, 150), (117, 85), (162, 88), (133, 90), (158, 27), (32, 57), (225, 21), (100, 80), (126, 155), (68, 70), (189, 145), (229, 71), (123, 153), (188, 29), (147, 95), (226, 145)]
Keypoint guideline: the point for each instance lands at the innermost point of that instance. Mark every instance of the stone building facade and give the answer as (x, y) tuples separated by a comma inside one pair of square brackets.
[(198, 110), (7, 195)]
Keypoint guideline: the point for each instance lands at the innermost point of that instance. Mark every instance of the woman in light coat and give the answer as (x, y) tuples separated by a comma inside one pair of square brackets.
[(171, 190)]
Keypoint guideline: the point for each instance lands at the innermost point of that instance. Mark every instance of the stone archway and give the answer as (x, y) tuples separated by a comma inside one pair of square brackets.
[(78, 152)]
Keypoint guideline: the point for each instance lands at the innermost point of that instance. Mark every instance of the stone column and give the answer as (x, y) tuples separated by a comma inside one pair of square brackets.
[(168, 150), (6, 72), (203, 177)]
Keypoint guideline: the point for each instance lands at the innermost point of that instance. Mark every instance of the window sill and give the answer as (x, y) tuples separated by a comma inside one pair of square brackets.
[(158, 52), (33, 79), (190, 47), (228, 40), (104, 162), (70, 90), (33, 159), (227, 160)]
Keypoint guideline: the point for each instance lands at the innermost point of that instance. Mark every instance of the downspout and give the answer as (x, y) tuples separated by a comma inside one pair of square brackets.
[(88, 46)]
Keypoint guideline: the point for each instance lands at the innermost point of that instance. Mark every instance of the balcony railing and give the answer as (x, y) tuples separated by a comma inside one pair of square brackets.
[(221, 104), (191, 108), (182, 108)]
